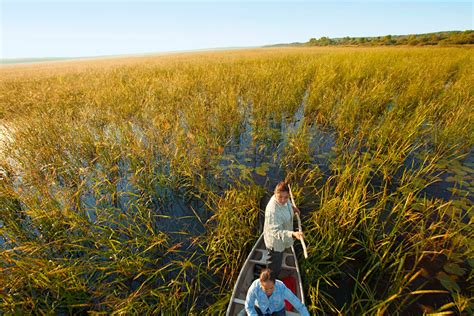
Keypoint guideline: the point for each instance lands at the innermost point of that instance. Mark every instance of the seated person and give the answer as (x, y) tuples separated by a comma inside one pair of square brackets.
[(266, 296)]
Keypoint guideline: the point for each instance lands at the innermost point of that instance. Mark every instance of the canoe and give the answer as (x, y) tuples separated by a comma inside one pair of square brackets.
[(256, 260)]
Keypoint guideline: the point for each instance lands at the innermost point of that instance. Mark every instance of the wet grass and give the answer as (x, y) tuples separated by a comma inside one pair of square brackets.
[(135, 186)]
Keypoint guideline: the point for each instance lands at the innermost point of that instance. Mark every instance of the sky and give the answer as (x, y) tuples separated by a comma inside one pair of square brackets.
[(67, 28)]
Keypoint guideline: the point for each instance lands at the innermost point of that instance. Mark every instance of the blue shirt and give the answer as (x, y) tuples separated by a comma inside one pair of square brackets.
[(276, 302)]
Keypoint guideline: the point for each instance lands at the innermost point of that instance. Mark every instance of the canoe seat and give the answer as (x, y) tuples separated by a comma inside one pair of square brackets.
[(239, 310), (262, 255), (242, 302), (284, 261), (264, 259)]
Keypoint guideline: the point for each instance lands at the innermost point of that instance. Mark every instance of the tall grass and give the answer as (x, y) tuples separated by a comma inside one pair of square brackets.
[(128, 186)]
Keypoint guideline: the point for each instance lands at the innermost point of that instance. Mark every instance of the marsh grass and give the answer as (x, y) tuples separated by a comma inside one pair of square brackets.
[(134, 186)]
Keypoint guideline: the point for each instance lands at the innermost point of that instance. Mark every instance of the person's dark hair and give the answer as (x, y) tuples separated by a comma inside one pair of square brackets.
[(267, 275), (282, 187)]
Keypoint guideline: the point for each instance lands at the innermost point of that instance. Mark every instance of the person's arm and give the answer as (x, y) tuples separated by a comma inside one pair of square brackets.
[(250, 301), (290, 297)]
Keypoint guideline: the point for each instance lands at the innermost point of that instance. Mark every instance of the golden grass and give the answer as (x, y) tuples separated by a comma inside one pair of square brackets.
[(103, 152)]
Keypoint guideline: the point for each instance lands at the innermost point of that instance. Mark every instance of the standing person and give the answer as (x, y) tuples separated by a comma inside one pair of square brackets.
[(278, 227), (266, 296)]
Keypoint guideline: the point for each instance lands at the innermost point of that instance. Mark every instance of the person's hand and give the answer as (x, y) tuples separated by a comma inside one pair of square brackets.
[(296, 210), (298, 235)]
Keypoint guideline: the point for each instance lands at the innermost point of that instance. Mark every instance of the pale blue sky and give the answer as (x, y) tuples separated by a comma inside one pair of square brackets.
[(93, 28)]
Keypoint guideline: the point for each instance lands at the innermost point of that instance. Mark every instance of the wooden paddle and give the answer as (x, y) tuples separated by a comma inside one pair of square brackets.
[(299, 224)]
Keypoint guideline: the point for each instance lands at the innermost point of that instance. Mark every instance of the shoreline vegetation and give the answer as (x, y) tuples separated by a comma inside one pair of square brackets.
[(135, 185), (447, 38)]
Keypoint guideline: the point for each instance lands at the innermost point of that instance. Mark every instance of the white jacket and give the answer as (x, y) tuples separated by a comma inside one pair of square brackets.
[(278, 227)]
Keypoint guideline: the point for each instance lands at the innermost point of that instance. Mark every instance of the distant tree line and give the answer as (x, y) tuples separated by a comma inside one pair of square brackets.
[(439, 38)]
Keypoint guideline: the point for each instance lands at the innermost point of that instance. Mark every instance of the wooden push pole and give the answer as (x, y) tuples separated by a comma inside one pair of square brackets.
[(299, 225)]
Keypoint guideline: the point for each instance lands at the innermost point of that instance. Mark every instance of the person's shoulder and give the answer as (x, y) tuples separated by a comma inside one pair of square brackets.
[(272, 201), (280, 284), (254, 284)]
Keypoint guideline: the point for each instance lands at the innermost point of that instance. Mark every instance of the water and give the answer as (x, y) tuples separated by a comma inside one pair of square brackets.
[(259, 160)]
